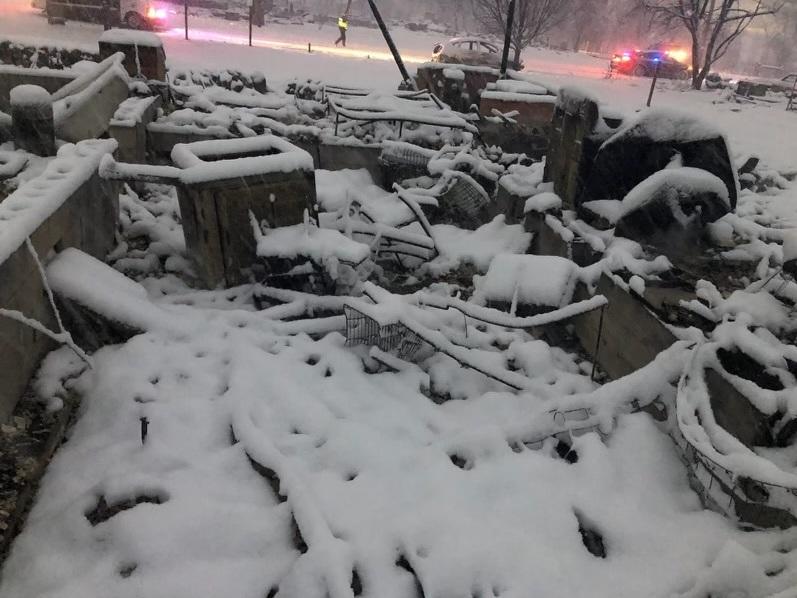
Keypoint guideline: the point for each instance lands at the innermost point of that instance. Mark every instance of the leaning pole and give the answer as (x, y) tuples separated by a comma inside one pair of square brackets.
[(393, 50), (510, 21)]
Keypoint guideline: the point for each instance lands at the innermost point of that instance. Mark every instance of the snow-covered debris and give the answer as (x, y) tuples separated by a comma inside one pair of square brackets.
[(523, 181), (459, 247), (131, 37), (683, 182), (131, 111), (306, 241), (454, 74), (534, 280), (542, 202), (22, 212), (76, 276)]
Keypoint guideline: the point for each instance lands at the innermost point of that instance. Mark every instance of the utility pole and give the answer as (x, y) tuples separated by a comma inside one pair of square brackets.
[(510, 22), (409, 81)]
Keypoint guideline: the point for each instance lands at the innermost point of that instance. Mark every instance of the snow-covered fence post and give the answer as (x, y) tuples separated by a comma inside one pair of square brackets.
[(32, 125)]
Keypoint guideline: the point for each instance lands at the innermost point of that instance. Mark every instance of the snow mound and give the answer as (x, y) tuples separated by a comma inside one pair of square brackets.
[(306, 241), (684, 181), (529, 280), (30, 95)]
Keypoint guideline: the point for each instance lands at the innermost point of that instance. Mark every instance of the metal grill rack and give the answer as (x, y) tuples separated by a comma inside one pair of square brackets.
[(396, 338)]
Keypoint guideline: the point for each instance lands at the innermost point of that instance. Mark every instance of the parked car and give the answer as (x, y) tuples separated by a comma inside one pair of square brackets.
[(470, 50), (646, 63), (135, 14)]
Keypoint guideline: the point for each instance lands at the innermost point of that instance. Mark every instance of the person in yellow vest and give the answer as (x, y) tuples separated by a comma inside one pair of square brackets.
[(343, 26)]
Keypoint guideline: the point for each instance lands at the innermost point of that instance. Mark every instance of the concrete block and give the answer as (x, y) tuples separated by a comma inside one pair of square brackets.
[(32, 126)]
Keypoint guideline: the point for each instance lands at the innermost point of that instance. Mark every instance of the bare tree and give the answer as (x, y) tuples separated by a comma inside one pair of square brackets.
[(533, 18), (713, 26)]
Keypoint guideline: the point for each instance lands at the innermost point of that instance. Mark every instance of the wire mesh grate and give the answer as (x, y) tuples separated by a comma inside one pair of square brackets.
[(403, 156), (397, 339)]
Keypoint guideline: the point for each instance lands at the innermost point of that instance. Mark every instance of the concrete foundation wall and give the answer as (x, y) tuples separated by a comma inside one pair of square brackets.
[(86, 220), (630, 336), (217, 226)]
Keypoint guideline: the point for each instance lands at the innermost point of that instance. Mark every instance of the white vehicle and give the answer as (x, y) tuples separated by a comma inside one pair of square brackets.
[(135, 14), (468, 50)]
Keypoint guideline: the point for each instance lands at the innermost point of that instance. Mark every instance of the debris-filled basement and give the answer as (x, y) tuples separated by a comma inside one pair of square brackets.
[(480, 334)]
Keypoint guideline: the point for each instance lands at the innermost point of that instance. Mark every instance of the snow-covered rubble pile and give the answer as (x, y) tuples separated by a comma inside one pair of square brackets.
[(370, 118), (378, 479)]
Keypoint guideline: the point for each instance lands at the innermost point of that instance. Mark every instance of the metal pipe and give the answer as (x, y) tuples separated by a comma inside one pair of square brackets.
[(392, 46), (510, 22), (653, 83)]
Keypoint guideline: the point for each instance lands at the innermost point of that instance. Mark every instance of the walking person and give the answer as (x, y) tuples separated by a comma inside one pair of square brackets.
[(343, 26)]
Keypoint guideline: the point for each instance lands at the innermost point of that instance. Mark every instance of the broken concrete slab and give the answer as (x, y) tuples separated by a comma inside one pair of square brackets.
[(83, 109)]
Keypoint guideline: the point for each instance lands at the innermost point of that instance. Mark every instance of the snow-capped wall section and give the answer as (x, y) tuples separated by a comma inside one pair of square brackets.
[(26, 209), (67, 205), (131, 37), (237, 158)]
